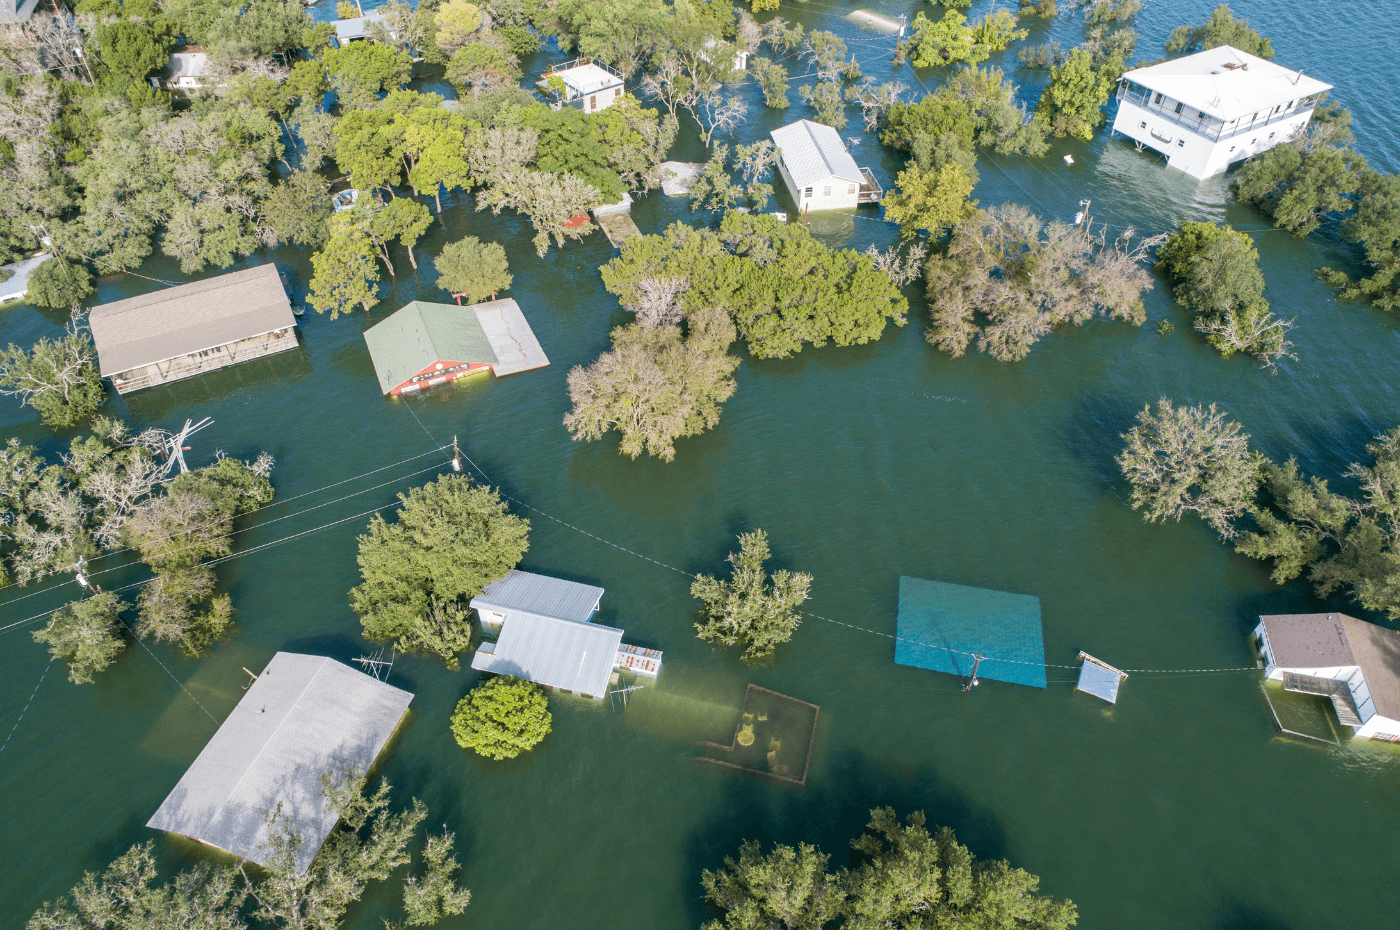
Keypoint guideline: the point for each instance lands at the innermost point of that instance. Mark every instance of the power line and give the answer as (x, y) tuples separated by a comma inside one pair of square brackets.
[(26, 705)]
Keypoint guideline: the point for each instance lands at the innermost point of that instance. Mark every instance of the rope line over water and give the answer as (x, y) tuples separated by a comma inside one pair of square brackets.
[(26, 705)]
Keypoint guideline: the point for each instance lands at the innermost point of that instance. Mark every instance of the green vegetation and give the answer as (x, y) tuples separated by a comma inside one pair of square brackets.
[(502, 718), (86, 634), (749, 609), (772, 79), (930, 201), (452, 539), (1222, 28), (367, 845), (952, 40), (1079, 89), (1214, 271), (1023, 277), (907, 878), (472, 269), (59, 285), (56, 377)]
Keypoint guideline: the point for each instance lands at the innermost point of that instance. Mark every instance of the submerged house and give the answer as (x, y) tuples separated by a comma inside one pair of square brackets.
[(546, 635), (424, 344), (304, 717), (356, 29), (819, 172), (1206, 111), (1354, 663), (582, 84), (182, 331)]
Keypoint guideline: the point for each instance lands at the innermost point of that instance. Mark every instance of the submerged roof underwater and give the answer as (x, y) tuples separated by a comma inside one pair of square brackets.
[(943, 626)]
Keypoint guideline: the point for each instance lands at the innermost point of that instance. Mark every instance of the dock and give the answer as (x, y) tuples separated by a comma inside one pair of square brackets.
[(639, 660), (618, 227)]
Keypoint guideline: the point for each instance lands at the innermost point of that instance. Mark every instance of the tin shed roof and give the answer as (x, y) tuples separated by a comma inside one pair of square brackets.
[(576, 657), (419, 334), (1226, 82), (178, 321), (814, 152), (510, 336), (540, 594), (303, 717), (357, 27)]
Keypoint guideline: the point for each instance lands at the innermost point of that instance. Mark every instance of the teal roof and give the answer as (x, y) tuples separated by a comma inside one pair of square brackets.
[(944, 626), (420, 334)]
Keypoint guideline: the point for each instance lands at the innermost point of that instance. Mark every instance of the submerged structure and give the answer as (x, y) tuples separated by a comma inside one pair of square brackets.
[(819, 172), (970, 632), (182, 331), (303, 718), (423, 344), (1206, 111), (546, 634), (582, 84), (1352, 663), (774, 738), (1100, 679)]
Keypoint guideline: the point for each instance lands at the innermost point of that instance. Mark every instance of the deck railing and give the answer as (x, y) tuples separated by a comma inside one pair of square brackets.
[(1204, 125), (1338, 691), (870, 190)]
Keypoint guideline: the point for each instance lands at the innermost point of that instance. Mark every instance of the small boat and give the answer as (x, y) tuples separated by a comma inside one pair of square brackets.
[(345, 200)]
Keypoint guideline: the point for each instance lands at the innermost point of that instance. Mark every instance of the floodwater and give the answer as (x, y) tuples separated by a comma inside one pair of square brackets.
[(1176, 808)]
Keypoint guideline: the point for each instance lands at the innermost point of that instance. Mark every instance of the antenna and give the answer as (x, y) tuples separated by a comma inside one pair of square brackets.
[(375, 664), (612, 695)]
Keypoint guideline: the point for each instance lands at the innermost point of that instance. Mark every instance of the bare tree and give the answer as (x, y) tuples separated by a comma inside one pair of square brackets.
[(1262, 335), (717, 113), (902, 262), (45, 44), (874, 99), (656, 300)]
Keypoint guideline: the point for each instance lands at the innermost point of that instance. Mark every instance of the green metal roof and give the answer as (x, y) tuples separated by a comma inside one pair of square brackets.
[(420, 334)]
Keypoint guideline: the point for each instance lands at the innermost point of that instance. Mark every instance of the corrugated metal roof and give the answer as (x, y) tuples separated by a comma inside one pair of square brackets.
[(577, 657), (540, 594), (304, 716), (178, 321), (814, 152), (510, 336), (1226, 82), (421, 333), (357, 27), (17, 285)]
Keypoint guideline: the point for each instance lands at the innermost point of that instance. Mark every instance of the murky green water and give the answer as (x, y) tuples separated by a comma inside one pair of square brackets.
[(1176, 808)]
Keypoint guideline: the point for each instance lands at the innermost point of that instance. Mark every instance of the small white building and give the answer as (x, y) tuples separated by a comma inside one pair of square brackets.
[(16, 285), (819, 172), (356, 29), (740, 61), (586, 85), (1354, 663), (1206, 111), (188, 69)]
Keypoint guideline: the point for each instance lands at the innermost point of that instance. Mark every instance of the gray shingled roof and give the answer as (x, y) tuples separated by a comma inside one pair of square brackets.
[(814, 152), (577, 657), (1326, 640), (510, 335), (304, 716), (178, 321), (421, 333), (540, 594)]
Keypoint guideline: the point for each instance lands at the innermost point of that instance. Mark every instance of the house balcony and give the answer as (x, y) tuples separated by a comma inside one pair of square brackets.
[(1338, 691), (870, 190), (1208, 126)]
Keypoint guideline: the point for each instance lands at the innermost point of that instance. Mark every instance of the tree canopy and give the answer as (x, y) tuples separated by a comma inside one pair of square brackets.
[(750, 609), (502, 718), (57, 377), (86, 634), (452, 538), (472, 269), (1222, 28)]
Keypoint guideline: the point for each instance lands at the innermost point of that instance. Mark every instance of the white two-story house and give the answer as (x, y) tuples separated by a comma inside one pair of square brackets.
[(1355, 663), (1206, 111)]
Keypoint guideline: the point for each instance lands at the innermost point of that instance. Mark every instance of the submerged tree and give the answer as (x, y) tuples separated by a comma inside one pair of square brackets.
[(502, 718), (56, 377), (1182, 460), (749, 609), (1222, 28), (930, 201), (472, 269), (86, 634), (59, 284), (452, 539)]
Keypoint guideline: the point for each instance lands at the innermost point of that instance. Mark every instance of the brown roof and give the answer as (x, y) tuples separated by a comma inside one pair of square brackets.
[(178, 321), (1322, 640)]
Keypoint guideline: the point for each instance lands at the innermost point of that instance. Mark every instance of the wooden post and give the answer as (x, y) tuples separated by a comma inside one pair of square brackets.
[(973, 682)]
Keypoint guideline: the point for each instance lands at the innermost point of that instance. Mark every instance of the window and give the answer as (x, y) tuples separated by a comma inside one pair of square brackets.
[(617, 92), (1181, 144), (826, 191), (1158, 99), (807, 192), (850, 189), (1142, 124), (593, 102), (1179, 107)]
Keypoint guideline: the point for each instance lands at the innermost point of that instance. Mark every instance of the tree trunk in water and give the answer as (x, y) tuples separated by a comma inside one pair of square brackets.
[(384, 257), (437, 199), (411, 260)]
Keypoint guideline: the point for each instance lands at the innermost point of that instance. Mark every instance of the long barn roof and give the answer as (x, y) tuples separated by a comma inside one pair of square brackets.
[(540, 594), (179, 321), (305, 716)]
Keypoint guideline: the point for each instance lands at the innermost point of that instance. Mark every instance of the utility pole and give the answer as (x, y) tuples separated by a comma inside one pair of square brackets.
[(1083, 219), (456, 456), (973, 682), (80, 570)]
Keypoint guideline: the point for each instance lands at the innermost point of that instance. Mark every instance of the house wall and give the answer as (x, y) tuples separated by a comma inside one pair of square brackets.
[(1351, 674), (1196, 154), (207, 360), (437, 373), (597, 100), (1381, 728), (843, 193)]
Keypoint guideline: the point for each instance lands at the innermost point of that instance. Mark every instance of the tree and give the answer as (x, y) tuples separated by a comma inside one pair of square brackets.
[(344, 9), (930, 201), (1222, 28), (1376, 226), (458, 22), (451, 540), (552, 202), (402, 219), (945, 41), (567, 144), (1215, 272), (483, 66), (297, 210), (975, 108), (59, 285), (430, 897), (1072, 105), (1182, 460), (361, 71), (747, 610), (637, 141), (788, 888), (825, 97), (56, 377), (86, 634), (1295, 186), (472, 269), (502, 718), (344, 273), (772, 79)]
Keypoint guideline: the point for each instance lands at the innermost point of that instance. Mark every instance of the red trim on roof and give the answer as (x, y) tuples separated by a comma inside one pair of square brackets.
[(437, 373)]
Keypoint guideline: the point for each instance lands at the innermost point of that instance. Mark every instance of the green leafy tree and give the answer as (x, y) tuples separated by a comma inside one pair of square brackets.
[(1222, 28), (451, 540), (360, 71), (1181, 460), (472, 269), (942, 42), (1296, 187), (344, 273), (400, 219), (568, 145), (930, 201), (772, 79), (433, 895), (56, 377), (975, 108), (637, 141), (483, 66), (344, 9), (129, 50), (996, 31), (86, 634), (1072, 105), (749, 609), (826, 98), (458, 22), (502, 718), (298, 210), (787, 888), (1376, 226), (1041, 9), (59, 285)]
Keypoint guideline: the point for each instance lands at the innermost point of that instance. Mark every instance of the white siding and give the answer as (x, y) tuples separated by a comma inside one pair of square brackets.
[(1193, 153), (845, 193)]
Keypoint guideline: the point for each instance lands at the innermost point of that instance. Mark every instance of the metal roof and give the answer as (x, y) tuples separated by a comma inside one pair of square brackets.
[(1331, 640), (190, 63), (1099, 679), (814, 152), (357, 27), (419, 334), (17, 285), (540, 594), (304, 716), (179, 321), (577, 657), (943, 627), (1226, 82), (584, 79), (510, 336)]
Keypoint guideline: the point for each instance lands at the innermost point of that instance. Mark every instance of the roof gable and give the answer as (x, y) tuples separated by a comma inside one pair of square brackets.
[(813, 152), (577, 657), (1227, 83), (303, 717), (414, 337), (540, 594)]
